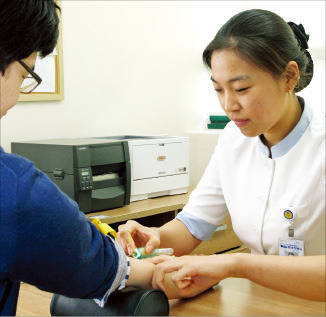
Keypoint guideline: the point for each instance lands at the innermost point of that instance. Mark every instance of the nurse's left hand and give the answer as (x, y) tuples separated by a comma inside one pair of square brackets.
[(194, 274)]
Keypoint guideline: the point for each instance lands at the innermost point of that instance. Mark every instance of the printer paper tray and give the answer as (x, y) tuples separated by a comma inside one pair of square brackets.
[(106, 198), (107, 184), (106, 193)]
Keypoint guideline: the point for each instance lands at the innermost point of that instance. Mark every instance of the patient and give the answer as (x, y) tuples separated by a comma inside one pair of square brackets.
[(44, 239)]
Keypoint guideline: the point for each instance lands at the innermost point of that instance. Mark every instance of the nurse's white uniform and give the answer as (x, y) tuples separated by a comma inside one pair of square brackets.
[(256, 190)]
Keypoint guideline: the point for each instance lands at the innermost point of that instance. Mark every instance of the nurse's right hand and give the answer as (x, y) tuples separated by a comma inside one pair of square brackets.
[(133, 235)]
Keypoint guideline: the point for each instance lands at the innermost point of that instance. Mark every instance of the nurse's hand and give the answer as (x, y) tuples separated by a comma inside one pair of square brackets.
[(194, 274), (133, 235), (160, 258), (163, 258)]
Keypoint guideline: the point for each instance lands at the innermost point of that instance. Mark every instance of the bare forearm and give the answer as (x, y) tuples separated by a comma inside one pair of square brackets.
[(299, 276), (176, 235), (141, 273)]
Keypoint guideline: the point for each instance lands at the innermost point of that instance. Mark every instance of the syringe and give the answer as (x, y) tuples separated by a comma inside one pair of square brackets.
[(140, 253)]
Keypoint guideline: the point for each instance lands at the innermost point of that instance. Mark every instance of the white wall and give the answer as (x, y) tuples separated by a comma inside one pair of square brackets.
[(311, 14), (134, 67), (129, 67)]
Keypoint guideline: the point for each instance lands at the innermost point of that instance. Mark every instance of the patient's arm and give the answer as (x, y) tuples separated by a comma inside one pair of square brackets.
[(141, 272)]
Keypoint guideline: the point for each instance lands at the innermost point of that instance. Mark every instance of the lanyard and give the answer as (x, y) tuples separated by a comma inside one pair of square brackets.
[(290, 214)]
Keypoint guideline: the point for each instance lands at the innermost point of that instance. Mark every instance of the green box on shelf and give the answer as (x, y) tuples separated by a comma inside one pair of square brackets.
[(216, 125), (219, 119)]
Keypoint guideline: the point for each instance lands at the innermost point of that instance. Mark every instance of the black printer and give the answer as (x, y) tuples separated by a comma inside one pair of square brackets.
[(95, 173)]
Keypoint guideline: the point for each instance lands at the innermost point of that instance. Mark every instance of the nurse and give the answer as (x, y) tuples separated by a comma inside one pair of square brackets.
[(267, 171)]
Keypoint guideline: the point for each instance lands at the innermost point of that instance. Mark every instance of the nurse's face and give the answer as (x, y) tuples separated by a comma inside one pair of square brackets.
[(250, 96), (11, 82)]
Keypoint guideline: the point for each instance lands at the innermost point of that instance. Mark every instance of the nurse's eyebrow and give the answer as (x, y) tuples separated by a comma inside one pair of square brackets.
[(240, 77)]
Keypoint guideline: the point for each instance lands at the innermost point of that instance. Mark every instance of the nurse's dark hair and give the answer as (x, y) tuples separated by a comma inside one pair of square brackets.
[(27, 26), (264, 39)]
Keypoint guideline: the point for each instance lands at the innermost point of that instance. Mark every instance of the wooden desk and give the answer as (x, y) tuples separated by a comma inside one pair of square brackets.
[(232, 297), (144, 208), (240, 297)]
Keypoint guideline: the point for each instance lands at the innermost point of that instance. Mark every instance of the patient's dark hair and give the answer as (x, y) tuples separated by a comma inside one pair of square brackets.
[(27, 26), (263, 38)]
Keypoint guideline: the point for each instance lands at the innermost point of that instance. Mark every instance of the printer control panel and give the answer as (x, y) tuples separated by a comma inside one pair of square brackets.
[(85, 178)]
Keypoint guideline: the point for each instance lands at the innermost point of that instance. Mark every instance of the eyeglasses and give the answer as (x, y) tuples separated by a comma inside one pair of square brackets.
[(31, 82)]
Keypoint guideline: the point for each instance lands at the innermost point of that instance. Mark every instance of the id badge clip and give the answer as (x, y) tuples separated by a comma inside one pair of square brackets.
[(290, 245)]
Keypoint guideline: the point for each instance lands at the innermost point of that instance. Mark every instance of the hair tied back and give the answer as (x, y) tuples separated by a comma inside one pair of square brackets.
[(300, 34)]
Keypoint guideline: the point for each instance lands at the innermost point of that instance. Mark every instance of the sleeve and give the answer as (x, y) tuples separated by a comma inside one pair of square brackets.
[(206, 207), (121, 279), (57, 248)]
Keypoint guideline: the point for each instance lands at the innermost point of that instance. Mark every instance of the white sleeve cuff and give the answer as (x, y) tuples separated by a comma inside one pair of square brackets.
[(199, 228), (121, 277)]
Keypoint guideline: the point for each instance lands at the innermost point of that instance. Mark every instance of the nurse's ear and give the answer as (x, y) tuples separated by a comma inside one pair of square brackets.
[(292, 75)]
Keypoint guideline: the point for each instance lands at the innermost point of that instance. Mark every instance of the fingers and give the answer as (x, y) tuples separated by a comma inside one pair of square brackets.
[(152, 244), (183, 278), (189, 275), (162, 269), (124, 236), (183, 271), (183, 283), (151, 238), (160, 259), (132, 234), (129, 242)]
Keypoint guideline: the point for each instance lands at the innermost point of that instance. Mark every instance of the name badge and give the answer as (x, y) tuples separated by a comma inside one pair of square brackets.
[(291, 246)]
